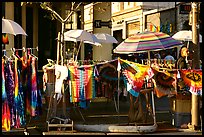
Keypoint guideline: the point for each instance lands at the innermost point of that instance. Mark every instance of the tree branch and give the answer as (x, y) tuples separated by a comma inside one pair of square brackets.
[(72, 10)]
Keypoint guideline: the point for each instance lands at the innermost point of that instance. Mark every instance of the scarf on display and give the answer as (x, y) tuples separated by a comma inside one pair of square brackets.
[(82, 82), (193, 79), (164, 82), (135, 73)]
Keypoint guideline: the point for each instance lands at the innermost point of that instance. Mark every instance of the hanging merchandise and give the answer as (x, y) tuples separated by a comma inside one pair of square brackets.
[(193, 79), (5, 107), (61, 73), (5, 39), (82, 83), (21, 94), (135, 73), (164, 82)]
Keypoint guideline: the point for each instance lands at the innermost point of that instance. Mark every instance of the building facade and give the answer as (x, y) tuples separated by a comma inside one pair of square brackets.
[(120, 19)]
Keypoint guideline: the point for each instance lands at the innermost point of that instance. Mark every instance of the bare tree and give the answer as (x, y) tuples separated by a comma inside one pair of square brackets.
[(54, 15), (48, 6)]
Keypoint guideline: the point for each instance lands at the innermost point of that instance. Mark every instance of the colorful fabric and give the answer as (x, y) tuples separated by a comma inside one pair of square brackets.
[(16, 88), (5, 107), (26, 72), (108, 70), (129, 88), (164, 82), (5, 39), (135, 73), (82, 82), (20, 98), (20, 94), (33, 102), (34, 87), (9, 85), (193, 79)]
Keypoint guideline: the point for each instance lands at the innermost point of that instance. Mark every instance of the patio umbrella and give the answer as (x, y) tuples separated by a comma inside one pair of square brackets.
[(78, 39), (146, 42), (82, 36), (185, 35), (11, 27), (105, 38)]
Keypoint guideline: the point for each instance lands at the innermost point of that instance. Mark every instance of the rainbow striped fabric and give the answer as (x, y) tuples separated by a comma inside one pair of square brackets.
[(82, 83)]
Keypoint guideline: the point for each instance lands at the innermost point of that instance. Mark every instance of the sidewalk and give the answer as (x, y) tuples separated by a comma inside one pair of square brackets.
[(102, 113)]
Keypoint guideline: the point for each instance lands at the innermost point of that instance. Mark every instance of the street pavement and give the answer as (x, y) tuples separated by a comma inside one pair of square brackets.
[(104, 112)]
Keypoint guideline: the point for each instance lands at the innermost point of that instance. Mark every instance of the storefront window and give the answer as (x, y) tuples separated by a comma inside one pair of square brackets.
[(133, 28)]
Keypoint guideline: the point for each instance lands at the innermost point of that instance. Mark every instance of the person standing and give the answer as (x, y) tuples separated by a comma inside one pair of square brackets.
[(169, 61), (182, 64), (182, 60), (169, 56)]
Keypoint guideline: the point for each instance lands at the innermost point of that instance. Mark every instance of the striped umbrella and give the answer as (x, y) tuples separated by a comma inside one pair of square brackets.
[(146, 41)]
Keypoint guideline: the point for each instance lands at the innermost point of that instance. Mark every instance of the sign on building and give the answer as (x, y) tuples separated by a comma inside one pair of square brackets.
[(99, 24), (184, 9)]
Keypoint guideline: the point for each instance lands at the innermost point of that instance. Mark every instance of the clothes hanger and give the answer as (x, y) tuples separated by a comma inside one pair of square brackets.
[(14, 55), (31, 53), (50, 64), (5, 56)]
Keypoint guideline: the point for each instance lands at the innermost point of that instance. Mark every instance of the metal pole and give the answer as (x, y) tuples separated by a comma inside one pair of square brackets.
[(62, 48), (58, 47), (153, 108), (196, 62), (175, 17)]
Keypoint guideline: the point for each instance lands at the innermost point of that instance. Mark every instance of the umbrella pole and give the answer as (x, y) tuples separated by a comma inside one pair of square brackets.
[(148, 61), (78, 50), (188, 49), (118, 90), (119, 68), (58, 44), (153, 108)]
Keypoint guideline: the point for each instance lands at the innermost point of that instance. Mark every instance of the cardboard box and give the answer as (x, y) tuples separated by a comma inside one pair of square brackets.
[(181, 106)]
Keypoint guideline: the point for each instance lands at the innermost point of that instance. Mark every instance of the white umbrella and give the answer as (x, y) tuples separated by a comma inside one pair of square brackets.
[(105, 38), (185, 35), (82, 36), (11, 27), (76, 40)]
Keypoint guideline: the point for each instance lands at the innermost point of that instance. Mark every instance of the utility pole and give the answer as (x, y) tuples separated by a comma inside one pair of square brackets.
[(196, 62)]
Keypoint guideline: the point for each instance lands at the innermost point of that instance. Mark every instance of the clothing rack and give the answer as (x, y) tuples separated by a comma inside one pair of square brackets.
[(56, 114), (23, 49), (13, 50)]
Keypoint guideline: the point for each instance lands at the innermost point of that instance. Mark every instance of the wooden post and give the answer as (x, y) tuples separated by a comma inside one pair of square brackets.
[(196, 63)]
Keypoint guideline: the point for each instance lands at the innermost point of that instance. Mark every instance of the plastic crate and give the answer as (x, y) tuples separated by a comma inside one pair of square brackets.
[(180, 119)]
